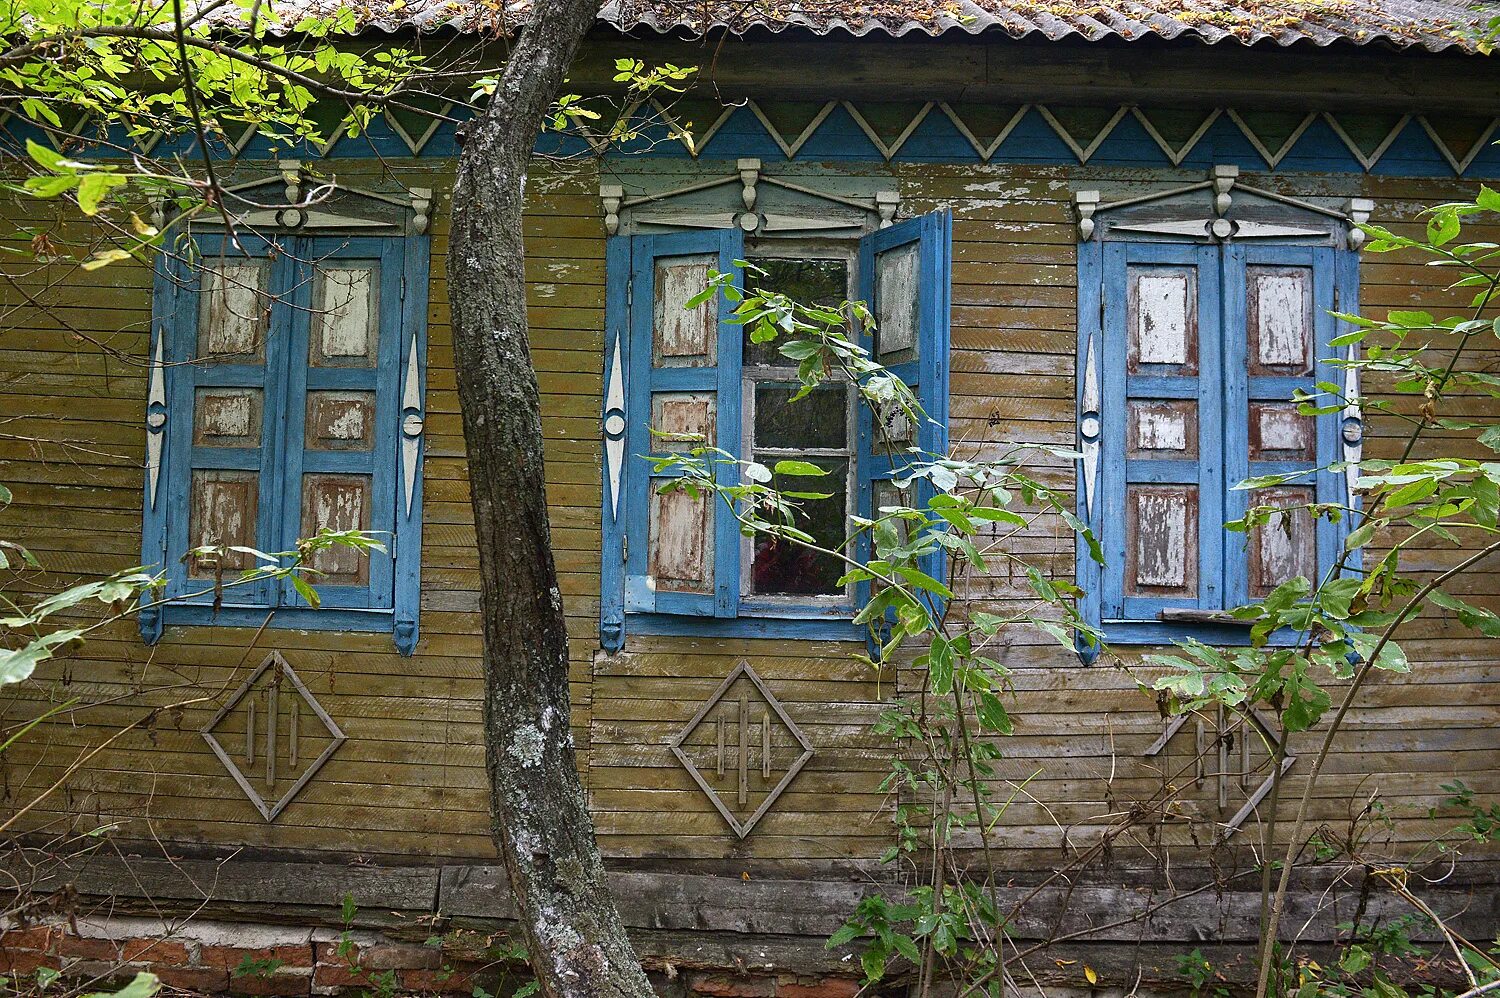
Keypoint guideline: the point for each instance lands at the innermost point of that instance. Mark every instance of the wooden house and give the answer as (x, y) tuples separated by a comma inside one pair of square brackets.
[(1117, 228)]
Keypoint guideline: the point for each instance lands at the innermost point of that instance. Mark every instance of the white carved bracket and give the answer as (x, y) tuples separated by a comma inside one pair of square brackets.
[(1089, 427), (1359, 210), (156, 420), (413, 424)]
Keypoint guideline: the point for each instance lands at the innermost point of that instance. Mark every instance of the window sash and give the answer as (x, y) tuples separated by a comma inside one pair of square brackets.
[(1223, 423), (284, 380)]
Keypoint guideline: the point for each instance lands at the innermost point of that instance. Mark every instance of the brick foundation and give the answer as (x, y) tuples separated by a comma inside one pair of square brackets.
[(229, 958)]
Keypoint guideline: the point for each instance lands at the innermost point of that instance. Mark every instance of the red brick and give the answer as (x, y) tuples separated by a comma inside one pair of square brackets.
[(38, 937), (828, 987), (91, 949), (333, 975), (230, 957), (163, 951), (329, 953), (438, 981), (271, 984), (731, 987), (23, 963), (204, 980)]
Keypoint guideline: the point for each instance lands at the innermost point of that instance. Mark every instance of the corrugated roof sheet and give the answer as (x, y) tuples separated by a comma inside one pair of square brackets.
[(1431, 24), (1434, 25)]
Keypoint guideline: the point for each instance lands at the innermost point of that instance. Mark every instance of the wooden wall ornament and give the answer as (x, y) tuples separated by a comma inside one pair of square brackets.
[(1179, 213), (1089, 427), (614, 428), (253, 717), (1226, 731), (743, 737), (796, 209), (412, 424), (156, 420), (324, 205)]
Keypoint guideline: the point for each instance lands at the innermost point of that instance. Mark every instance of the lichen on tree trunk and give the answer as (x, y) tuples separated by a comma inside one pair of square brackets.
[(540, 815)]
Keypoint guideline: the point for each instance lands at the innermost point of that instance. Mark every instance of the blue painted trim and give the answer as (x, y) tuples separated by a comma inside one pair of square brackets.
[(838, 139), (1088, 572), (633, 319), (1224, 391), (407, 539), (928, 375), (627, 601), (302, 618), (1127, 633), (744, 627), (394, 593), (614, 510)]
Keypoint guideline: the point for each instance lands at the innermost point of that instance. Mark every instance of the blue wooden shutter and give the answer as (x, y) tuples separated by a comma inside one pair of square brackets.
[(343, 379), (224, 346), (683, 553), (1160, 495), (906, 278), (1277, 341)]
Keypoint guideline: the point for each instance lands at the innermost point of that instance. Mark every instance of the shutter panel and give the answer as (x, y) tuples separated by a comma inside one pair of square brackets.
[(683, 552), (1160, 490), (1285, 294), (906, 277), (343, 380), (222, 416)]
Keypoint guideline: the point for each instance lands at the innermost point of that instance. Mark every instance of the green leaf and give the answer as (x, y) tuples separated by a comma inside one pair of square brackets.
[(1409, 319), (847, 933), (46, 157), (1359, 537), (1391, 659), (94, 188), (802, 468), (143, 986), (873, 963), (306, 591)]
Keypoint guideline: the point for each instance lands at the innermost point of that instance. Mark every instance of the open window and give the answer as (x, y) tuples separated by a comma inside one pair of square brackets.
[(674, 563)]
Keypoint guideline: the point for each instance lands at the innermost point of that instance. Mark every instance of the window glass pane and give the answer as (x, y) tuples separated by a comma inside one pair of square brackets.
[(781, 568), (805, 280), (819, 419)]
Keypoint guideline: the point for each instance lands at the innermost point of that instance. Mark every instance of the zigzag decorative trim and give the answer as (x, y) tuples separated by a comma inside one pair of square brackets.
[(892, 142)]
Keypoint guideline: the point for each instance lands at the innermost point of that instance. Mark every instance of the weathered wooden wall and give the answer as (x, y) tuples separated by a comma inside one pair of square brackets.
[(409, 784)]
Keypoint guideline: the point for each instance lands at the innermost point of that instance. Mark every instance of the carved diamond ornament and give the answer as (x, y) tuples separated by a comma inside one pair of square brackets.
[(742, 749), (273, 734)]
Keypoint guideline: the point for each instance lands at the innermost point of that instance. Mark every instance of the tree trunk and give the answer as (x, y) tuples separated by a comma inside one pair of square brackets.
[(540, 815)]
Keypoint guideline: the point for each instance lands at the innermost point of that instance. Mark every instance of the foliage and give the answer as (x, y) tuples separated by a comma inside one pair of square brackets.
[(1347, 623), (1435, 494)]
